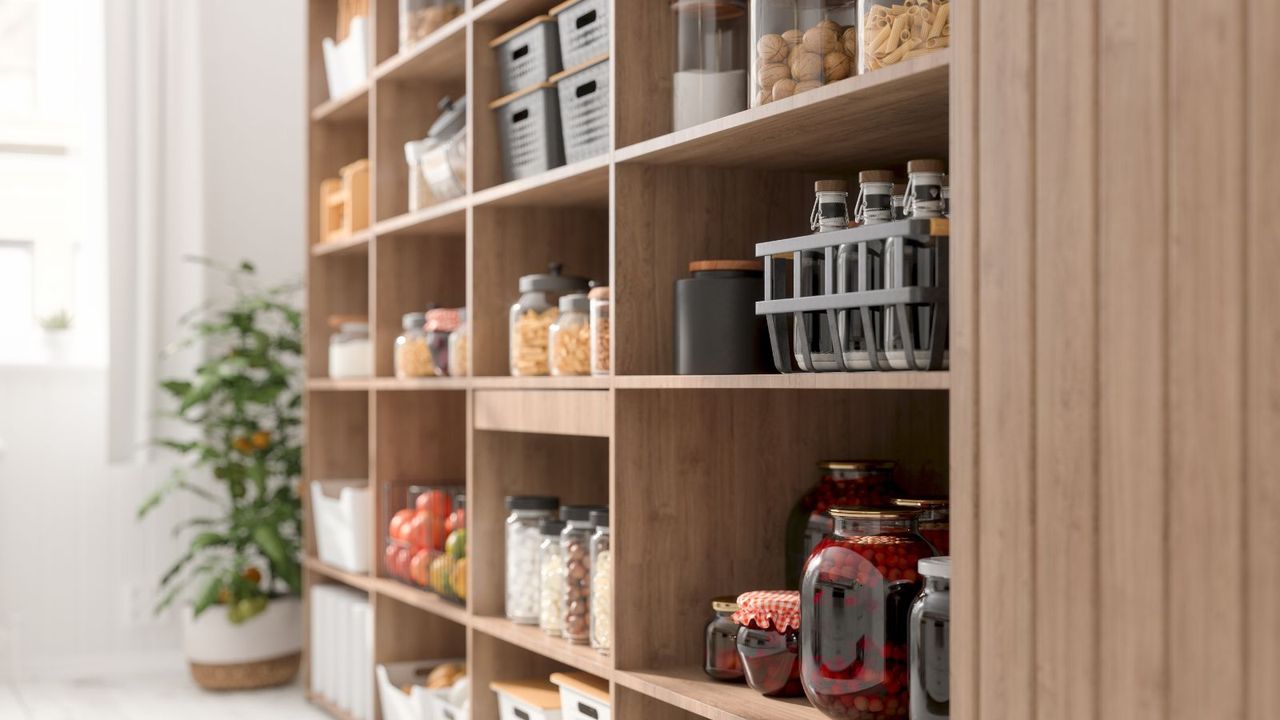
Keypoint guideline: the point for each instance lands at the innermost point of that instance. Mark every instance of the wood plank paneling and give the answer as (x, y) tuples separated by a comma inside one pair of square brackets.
[(1204, 555), (1133, 667)]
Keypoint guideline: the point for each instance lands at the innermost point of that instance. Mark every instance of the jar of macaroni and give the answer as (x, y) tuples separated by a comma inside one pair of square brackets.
[(570, 337), (533, 314), (412, 353)]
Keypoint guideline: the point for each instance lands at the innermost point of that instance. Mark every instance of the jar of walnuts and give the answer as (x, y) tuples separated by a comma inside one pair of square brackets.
[(532, 316), (801, 45)]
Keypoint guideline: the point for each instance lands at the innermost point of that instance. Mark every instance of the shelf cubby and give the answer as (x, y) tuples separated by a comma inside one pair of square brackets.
[(413, 271)]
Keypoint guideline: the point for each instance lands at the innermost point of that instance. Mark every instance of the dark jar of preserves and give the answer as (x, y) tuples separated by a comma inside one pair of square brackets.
[(855, 606), (769, 641), (934, 523), (847, 483), (722, 662)]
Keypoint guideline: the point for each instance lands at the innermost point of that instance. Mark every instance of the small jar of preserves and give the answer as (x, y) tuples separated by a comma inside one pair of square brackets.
[(721, 660), (570, 337), (524, 525), (769, 641), (601, 625), (412, 354), (853, 483), (931, 642), (600, 317), (855, 599), (934, 523), (575, 543), (551, 578)]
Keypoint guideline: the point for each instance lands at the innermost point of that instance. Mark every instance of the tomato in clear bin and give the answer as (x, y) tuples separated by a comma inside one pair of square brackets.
[(389, 559), (457, 519), (418, 567), (436, 503), (417, 533), (396, 528), (403, 557)]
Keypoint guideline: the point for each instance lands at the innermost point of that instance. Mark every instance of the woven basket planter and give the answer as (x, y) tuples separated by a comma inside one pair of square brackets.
[(263, 651)]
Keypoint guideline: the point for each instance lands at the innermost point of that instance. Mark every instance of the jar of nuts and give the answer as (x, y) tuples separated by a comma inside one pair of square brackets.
[(532, 316), (569, 337), (801, 45), (890, 31), (575, 544), (413, 354), (459, 339), (600, 316)]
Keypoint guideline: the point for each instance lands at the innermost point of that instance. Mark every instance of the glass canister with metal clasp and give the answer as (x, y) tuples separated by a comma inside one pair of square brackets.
[(830, 213), (919, 268)]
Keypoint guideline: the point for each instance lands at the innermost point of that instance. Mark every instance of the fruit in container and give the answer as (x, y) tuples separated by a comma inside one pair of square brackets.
[(398, 527), (459, 579), (435, 503), (456, 545), (418, 530), (455, 521), (418, 567), (444, 675), (440, 574)]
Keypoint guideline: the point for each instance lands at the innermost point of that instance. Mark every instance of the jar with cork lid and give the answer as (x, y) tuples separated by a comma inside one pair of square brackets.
[(918, 267), (861, 270), (711, 60), (801, 45), (533, 314), (814, 349), (570, 337)]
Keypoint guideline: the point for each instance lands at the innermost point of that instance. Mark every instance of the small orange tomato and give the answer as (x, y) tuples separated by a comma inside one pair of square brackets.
[(252, 575), (261, 439), (399, 524), (243, 444)]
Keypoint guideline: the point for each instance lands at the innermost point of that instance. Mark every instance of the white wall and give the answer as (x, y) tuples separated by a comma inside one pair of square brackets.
[(76, 572)]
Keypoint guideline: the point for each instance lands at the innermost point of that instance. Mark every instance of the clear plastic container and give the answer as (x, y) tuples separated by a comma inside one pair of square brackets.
[(934, 522), (720, 661), (426, 538), (459, 342), (600, 318), (601, 625), (769, 624), (570, 337), (890, 31), (412, 352), (440, 324), (801, 45), (712, 56), (350, 351), (419, 192), (855, 598), (532, 315), (551, 578), (575, 543), (524, 535), (931, 642), (420, 18), (437, 163), (856, 483)]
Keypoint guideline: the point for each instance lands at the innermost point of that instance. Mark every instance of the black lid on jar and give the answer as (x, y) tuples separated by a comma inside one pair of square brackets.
[(579, 513), (551, 527), (600, 518), (532, 502), (552, 281), (574, 303), (413, 320)]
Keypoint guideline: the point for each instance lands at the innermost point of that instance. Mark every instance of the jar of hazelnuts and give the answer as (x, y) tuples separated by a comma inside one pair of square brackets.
[(801, 45)]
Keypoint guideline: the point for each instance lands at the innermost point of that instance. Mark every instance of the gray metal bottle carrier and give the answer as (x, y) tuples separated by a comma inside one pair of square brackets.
[(527, 55), (792, 313), (584, 30), (529, 128), (584, 110)]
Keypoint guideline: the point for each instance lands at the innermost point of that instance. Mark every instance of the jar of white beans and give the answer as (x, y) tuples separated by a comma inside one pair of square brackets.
[(523, 538), (601, 584), (551, 578)]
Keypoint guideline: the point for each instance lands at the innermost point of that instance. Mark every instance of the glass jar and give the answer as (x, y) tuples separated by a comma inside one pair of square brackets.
[(931, 642), (601, 625), (459, 339), (855, 598), (801, 45), (350, 352), (575, 543), (769, 641), (550, 578), (934, 523), (712, 52), (721, 661), (420, 18), (532, 315), (600, 317), (524, 537), (830, 213), (854, 483), (443, 158), (918, 267), (419, 193), (873, 206), (440, 323), (412, 357), (890, 31), (570, 337)]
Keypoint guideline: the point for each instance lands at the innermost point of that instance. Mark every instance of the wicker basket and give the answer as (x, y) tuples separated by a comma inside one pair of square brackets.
[(248, 675)]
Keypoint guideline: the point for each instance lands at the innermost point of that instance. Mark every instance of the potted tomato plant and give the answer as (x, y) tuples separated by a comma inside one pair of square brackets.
[(239, 579)]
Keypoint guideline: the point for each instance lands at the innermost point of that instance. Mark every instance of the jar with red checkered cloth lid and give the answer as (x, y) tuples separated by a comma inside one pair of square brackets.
[(769, 641)]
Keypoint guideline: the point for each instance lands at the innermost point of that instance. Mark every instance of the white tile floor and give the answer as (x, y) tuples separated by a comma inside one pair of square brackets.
[(152, 696)]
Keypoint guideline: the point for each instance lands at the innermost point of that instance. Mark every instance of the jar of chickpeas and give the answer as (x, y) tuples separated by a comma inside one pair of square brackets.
[(890, 31), (570, 337), (533, 314)]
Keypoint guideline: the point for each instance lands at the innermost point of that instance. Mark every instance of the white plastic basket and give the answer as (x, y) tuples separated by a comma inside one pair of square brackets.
[(527, 700), (582, 696), (346, 63), (340, 509), (418, 703)]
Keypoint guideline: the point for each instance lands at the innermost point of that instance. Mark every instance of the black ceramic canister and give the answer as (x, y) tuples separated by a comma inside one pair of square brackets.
[(716, 326)]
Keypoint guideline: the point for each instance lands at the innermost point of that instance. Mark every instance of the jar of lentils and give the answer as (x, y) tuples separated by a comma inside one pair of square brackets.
[(524, 526), (575, 543), (601, 624), (550, 578), (721, 660)]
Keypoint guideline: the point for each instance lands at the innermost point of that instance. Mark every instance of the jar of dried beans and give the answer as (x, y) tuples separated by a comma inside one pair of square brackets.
[(570, 337), (524, 536), (769, 641), (855, 600), (721, 661), (575, 543), (854, 483), (551, 578), (890, 31), (532, 316), (934, 522)]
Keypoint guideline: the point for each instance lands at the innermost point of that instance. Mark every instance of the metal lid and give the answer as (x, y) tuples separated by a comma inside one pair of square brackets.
[(579, 513), (875, 176), (442, 320), (600, 518), (551, 527), (926, 166), (532, 502), (698, 266), (413, 320), (453, 117), (935, 567), (867, 513), (922, 503), (574, 302), (856, 465), (725, 604), (552, 281), (600, 292), (831, 186), (338, 321)]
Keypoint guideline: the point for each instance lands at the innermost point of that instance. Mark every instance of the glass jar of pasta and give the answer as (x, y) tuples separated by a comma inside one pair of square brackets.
[(412, 353), (532, 316), (570, 337), (459, 340), (600, 318), (801, 45), (890, 31)]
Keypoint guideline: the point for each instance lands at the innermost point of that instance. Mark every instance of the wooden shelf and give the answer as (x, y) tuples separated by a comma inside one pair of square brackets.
[(586, 413), (887, 116), (421, 599), (351, 107), (357, 244), (690, 689), (360, 582), (584, 183), (541, 383), (420, 384), (510, 11), (793, 381), (339, 385), (442, 55), (446, 218), (529, 637)]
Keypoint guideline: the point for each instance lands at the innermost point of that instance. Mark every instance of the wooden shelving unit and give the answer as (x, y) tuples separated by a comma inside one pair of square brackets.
[(695, 469)]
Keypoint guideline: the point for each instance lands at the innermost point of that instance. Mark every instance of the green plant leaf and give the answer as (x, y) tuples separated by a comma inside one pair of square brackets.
[(207, 596)]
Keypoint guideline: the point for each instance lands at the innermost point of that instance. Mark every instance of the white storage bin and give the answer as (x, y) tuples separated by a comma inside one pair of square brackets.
[(346, 63), (450, 704), (417, 704), (582, 696), (342, 648), (527, 700), (340, 509)]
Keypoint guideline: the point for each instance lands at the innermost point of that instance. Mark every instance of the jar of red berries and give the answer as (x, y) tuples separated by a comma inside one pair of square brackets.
[(856, 598), (722, 661), (769, 641), (850, 483), (934, 522)]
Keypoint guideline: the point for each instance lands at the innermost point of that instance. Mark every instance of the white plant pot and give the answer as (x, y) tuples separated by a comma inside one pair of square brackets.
[(263, 651), (57, 345)]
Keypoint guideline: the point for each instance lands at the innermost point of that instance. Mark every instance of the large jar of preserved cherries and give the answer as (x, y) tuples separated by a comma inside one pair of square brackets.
[(849, 483), (855, 602)]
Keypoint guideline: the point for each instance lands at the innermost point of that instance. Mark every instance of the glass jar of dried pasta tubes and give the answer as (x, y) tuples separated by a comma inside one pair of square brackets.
[(890, 31), (532, 315), (801, 45), (570, 337), (600, 318)]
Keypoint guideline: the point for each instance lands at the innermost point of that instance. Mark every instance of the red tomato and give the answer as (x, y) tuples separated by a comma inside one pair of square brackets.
[(398, 521), (403, 558), (417, 533), (436, 533), (436, 503), (418, 568), (389, 559), (453, 522)]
